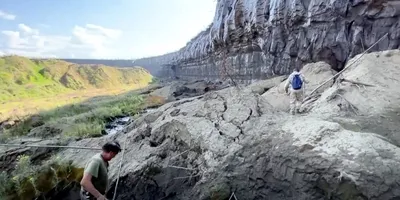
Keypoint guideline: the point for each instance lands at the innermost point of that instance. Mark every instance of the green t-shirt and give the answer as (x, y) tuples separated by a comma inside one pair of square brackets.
[(98, 168)]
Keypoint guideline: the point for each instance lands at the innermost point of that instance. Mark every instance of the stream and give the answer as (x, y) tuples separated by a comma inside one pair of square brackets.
[(117, 125), (120, 123)]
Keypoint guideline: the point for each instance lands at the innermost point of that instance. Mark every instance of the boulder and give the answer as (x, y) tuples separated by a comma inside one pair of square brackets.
[(314, 74), (178, 90), (260, 87)]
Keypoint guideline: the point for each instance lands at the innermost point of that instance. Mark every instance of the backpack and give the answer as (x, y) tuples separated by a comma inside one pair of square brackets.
[(297, 83)]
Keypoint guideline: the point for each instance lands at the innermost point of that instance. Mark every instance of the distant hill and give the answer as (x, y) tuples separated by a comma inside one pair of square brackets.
[(22, 78), (152, 64), (113, 63)]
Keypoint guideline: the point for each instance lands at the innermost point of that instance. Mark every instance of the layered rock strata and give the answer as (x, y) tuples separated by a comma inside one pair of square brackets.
[(256, 39)]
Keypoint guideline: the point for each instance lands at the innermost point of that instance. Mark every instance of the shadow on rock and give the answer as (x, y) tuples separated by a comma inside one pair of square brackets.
[(154, 183)]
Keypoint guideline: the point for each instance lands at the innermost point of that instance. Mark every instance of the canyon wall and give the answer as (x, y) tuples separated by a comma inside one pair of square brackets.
[(257, 39)]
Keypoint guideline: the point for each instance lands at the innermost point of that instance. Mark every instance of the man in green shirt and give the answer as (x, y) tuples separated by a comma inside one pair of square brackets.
[(95, 178)]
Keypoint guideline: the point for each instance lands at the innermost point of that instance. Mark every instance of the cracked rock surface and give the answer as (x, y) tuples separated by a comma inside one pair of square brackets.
[(234, 140)]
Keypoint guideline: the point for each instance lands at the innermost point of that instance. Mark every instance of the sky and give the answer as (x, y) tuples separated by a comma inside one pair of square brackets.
[(104, 29)]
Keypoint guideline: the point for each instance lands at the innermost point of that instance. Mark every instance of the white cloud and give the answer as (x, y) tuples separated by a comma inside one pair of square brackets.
[(110, 33), (83, 42), (14, 41), (94, 39), (7, 16), (28, 30)]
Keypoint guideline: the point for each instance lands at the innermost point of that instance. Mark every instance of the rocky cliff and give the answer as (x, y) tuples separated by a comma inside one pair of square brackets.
[(345, 145), (255, 39)]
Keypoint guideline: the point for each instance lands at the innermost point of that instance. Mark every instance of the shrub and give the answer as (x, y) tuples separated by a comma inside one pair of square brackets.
[(28, 181), (85, 130)]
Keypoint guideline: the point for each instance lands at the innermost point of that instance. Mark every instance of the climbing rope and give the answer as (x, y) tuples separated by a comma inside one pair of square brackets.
[(49, 146), (119, 170), (349, 65)]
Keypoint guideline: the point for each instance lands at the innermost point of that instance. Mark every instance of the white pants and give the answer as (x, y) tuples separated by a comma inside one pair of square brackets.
[(296, 98)]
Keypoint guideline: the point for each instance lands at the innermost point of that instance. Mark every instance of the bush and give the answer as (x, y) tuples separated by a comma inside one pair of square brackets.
[(28, 181), (86, 130), (5, 185)]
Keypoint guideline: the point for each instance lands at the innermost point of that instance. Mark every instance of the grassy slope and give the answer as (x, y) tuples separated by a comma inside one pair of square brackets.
[(67, 99), (22, 78)]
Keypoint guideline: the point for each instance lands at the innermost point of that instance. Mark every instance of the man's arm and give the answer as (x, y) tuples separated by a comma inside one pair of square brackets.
[(304, 79), (304, 84), (87, 184), (92, 170)]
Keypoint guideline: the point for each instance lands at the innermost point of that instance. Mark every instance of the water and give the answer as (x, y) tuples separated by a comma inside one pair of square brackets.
[(120, 124), (149, 110), (117, 125)]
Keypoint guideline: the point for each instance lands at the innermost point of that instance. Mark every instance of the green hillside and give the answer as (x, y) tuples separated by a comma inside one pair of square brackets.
[(22, 78)]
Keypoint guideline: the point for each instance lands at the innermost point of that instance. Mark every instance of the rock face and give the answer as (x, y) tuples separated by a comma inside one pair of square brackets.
[(233, 140), (177, 90), (315, 73), (256, 39), (9, 155)]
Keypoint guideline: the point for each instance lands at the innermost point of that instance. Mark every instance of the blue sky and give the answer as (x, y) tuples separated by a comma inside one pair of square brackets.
[(100, 28)]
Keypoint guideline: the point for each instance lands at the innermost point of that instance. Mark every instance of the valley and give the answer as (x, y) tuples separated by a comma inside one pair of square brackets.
[(213, 120), (29, 86)]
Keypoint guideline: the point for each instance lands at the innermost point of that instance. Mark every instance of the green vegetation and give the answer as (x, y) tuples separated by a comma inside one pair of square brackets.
[(27, 86), (77, 116), (70, 101), (28, 181), (22, 78), (82, 120)]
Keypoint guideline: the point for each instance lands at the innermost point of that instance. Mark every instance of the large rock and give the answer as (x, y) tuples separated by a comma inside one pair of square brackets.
[(378, 75), (314, 73), (235, 141), (181, 89), (263, 86), (373, 102), (9, 154)]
